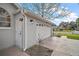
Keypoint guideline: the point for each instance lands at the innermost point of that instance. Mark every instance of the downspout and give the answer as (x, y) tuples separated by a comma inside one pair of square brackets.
[(23, 43), (23, 38), (51, 31)]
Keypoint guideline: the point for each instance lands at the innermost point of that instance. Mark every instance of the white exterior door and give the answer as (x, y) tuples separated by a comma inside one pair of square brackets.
[(19, 33)]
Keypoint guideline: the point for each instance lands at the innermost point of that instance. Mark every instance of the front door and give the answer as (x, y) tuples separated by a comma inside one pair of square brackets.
[(19, 33)]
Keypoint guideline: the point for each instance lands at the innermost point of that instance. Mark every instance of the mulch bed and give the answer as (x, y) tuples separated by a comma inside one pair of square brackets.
[(38, 50)]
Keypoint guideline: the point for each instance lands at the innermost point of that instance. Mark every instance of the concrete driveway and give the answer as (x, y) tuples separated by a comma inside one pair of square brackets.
[(62, 46)]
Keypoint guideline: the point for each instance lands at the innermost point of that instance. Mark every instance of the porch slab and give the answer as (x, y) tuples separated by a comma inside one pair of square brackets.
[(38, 50), (12, 51)]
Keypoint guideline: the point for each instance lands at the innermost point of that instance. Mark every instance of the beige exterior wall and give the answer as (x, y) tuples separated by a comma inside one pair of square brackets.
[(7, 35), (30, 32), (43, 30), (33, 31)]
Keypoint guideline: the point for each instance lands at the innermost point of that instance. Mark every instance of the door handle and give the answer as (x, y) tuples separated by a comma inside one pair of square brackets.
[(20, 33)]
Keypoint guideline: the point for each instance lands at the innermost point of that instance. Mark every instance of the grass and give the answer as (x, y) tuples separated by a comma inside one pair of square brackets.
[(71, 36)]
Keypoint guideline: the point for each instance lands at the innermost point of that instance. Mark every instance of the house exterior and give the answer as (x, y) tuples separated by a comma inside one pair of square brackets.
[(24, 28), (36, 28), (7, 34)]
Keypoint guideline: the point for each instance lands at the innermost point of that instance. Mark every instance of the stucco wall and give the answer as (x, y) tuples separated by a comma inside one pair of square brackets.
[(34, 32), (7, 35), (43, 32), (31, 32)]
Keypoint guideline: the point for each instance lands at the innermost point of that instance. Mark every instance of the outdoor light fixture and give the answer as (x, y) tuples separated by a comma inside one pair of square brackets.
[(21, 19), (31, 20)]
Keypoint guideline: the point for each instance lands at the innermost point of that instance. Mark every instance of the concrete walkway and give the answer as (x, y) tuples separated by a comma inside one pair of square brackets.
[(12, 51), (62, 46)]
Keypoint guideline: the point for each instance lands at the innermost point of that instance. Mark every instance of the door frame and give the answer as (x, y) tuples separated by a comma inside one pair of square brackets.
[(23, 32)]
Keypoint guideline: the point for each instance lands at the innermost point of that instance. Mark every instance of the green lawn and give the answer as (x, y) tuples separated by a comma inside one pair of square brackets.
[(71, 36)]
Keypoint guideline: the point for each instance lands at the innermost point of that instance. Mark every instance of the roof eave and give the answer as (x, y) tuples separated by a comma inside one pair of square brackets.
[(33, 15)]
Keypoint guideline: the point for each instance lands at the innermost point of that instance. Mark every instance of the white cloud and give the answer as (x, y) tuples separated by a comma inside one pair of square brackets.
[(71, 17), (57, 21)]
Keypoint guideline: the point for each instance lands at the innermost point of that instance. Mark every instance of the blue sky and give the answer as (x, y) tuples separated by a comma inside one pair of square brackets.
[(74, 8)]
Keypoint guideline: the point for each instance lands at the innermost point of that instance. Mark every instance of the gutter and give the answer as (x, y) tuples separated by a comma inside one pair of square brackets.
[(28, 13), (33, 15)]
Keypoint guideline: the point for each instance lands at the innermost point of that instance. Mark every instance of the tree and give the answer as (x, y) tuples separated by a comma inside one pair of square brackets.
[(51, 10), (73, 25), (47, 10), (77, 22)]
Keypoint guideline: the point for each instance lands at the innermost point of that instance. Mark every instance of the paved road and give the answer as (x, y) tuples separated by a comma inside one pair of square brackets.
[(62, 46)]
